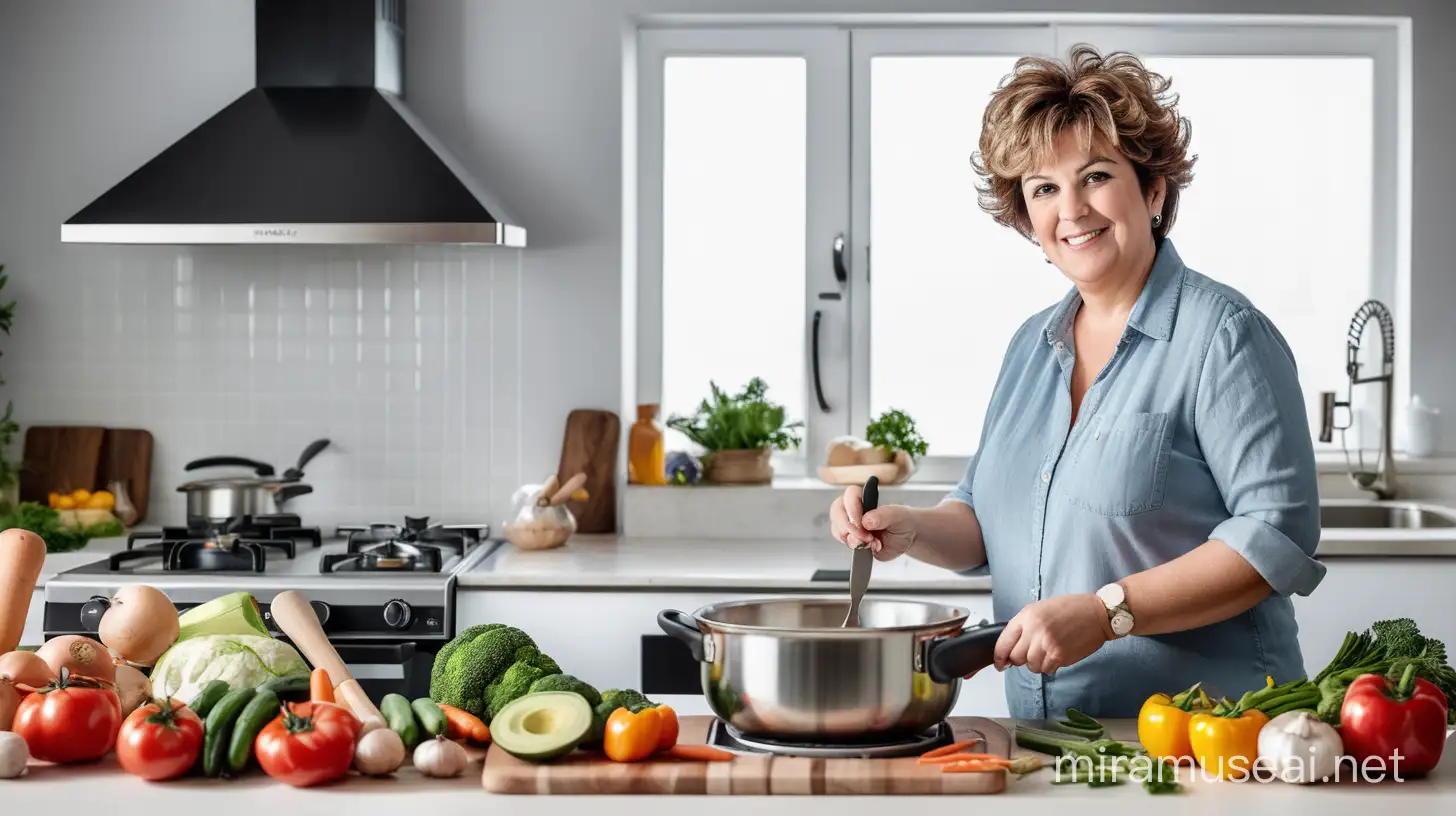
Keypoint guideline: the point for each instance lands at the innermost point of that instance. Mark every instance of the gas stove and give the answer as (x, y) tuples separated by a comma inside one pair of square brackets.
[(723, 735), (218, 544), (418, 545)]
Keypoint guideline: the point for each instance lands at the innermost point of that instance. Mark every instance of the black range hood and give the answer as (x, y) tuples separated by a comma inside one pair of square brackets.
[(321, 151)]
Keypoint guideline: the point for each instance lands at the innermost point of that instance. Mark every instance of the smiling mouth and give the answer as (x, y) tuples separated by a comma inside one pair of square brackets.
[(1083, 239)]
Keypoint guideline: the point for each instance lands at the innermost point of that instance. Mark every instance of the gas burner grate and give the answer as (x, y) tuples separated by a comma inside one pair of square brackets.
[(723, 735)]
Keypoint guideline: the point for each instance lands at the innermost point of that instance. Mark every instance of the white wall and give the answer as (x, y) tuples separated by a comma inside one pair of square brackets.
[(528, 93)]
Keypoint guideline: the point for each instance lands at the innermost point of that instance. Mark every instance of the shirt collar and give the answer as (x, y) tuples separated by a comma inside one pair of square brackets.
[(1156, 305)]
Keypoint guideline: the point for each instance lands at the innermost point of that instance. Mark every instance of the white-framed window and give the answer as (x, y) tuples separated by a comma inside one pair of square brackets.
[(763, 148)]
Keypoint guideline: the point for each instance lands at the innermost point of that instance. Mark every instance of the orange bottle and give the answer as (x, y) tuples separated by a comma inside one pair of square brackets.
[(646, 458)]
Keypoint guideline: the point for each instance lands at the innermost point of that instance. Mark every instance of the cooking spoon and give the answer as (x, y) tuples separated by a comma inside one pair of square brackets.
[(864, 557)]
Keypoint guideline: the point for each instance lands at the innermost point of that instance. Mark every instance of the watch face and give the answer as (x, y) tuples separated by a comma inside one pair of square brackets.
[(1121, 623), (1111, 595)]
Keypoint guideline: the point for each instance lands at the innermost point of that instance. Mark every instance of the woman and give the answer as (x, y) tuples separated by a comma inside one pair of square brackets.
[(1144, 494)]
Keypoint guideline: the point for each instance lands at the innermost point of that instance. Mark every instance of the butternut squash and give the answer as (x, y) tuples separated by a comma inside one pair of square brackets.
[(21, 555)]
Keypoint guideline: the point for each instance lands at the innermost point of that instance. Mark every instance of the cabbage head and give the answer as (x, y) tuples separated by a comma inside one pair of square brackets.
[(242, 661)]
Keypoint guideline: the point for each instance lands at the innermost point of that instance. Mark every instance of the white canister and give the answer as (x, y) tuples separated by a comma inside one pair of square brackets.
[(1420, 427)]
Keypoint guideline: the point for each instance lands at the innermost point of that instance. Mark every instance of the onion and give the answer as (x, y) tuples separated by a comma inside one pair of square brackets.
[(14, 755), (1299, 748), (132, 688), (379, 752), (82, 655), (441, 758), (9, 701), (26, 669), (140, 624)]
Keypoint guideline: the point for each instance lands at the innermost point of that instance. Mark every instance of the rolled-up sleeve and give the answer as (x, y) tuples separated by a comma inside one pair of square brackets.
[(1254, 434), (962, 491)]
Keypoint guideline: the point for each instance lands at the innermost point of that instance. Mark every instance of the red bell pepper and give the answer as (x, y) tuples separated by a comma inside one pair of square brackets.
[(1378, 720)]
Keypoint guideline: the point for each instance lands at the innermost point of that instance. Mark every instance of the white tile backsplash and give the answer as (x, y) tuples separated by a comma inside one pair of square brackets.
[(406, 358)]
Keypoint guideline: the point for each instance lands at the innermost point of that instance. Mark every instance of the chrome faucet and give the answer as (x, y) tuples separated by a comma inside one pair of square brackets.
[(1381, 482)]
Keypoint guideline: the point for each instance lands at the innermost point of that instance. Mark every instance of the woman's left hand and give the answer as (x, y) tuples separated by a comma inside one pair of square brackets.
[(1054, 633)]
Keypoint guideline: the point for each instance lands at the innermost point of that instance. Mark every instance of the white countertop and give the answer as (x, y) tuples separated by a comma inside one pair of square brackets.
[(607, 561), (255, 793)]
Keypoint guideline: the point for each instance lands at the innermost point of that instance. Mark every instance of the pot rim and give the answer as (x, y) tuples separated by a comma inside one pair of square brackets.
[(235, 483), (954, 622)]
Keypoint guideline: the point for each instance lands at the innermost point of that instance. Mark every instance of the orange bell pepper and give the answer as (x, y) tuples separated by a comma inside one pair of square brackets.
[(668, 738), (1227, 745), (632, 737), (1163, 724)]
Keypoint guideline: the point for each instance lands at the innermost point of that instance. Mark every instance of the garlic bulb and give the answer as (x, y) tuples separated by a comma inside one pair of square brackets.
[(440, 757), (1296, 747), (379, 752), (14, 755)]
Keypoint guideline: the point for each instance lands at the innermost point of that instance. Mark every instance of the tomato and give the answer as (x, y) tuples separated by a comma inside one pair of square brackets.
[(308, 743), (74, 719), (156, 744)]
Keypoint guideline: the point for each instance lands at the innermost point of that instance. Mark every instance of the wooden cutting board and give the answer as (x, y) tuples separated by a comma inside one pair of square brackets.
[(59, 459), (590, 446), (126, 457), (587, 772)]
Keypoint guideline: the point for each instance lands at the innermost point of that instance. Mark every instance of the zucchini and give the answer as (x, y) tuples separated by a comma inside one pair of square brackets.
[(219, 728), (257, 713), (292, 688), (211, 693), (401, 718), (430, 716)]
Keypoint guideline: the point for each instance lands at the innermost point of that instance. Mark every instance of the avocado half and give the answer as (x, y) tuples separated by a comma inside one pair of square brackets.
[(542, 726)]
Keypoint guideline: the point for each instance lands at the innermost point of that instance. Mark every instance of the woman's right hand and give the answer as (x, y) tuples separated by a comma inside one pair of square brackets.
[(889, 530)]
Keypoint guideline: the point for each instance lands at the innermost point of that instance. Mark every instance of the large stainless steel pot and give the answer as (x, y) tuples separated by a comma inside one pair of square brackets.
[(236, 496), (785, 669)]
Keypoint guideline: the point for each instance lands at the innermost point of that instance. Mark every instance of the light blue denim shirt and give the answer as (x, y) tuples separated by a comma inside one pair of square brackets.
[(1194, 430)]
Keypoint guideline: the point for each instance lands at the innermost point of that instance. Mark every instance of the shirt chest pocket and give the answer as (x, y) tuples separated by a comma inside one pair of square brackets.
[(1121, 466)]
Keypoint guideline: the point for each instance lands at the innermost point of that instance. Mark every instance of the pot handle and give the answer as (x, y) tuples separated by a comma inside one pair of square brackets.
[(972, 649), (295, 473), (684, 628), (288, 491), (260, 468)]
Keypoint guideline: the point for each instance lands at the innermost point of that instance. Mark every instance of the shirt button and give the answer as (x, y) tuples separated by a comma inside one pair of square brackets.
[(1096, 434), (1046, 476), (1061, 345)]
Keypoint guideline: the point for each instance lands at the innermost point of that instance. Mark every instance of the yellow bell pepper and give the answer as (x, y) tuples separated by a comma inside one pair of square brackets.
[(1163, 723), (1226, 746)]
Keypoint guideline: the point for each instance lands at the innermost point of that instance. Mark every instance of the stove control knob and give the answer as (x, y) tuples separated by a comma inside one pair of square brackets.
[(398, 615), (91, 612), (320, 610)]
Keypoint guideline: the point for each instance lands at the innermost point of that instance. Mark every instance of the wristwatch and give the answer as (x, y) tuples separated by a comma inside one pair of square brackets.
[(1115, 599)]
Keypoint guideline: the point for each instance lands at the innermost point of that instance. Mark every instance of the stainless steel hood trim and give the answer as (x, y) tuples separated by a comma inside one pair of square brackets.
[(497, 234)]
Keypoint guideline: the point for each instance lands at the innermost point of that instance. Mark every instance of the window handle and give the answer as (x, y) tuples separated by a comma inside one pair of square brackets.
[(841, 271), (818, 386)]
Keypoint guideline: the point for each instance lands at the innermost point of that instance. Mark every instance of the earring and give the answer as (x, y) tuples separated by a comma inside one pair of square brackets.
[(1048, 260), (1157, 219)]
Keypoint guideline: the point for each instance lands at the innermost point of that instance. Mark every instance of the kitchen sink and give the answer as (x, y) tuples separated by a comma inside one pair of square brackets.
[(1384, 516)]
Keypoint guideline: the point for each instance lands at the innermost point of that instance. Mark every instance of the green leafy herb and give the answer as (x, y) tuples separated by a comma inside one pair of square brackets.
[(1387, 647), (744, 421), (893, 431), (46, 523)]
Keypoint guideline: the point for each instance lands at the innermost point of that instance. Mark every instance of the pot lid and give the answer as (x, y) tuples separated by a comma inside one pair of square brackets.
[(234, 482)]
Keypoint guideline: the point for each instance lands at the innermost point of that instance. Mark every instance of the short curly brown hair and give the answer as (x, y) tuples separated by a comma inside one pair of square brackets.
[(1114, 96)]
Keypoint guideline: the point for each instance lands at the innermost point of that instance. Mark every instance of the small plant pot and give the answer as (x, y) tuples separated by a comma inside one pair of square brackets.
[(740, 466)]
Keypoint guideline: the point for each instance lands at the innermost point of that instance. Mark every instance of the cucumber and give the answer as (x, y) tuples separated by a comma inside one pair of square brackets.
[(207, 698), (257, 713), (401, 718), (430, 716), (293, 687), (219, 728)]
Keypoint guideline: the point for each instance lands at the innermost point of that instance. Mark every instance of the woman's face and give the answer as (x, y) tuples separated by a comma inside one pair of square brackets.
[(1088, 212)]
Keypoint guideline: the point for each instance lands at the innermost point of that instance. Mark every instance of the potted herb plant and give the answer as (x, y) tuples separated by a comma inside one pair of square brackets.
[(889, 449), (738, 434)]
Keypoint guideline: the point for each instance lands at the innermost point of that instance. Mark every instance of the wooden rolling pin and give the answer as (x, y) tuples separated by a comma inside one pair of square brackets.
[(296, 618)]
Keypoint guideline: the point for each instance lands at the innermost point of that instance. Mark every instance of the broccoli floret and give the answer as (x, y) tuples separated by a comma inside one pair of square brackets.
[(1400, 637), (565, 682), (442, 657), (514, 683), (482, 659), (613, 699)]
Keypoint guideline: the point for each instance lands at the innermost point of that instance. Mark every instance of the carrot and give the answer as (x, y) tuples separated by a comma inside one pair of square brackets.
[(976, 766), (462, 724), (320, 688), (704, 753), (946, 750), (945, 758)]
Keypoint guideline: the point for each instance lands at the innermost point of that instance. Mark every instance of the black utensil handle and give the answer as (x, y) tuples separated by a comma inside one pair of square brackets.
[(296, 472), (289, 491), (818, 385), (870, 498), (683, 627), (973, 649), (260, 468)]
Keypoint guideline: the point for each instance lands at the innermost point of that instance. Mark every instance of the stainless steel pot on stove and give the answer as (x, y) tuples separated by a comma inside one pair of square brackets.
[(785, 669), (232, 497)]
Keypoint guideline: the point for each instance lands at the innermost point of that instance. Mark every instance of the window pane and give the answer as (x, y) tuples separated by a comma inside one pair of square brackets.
[(733, 229), (1280, 207), (950, 284)]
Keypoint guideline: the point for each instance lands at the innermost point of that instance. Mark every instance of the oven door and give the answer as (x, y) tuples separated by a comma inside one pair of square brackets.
[(390, 668)]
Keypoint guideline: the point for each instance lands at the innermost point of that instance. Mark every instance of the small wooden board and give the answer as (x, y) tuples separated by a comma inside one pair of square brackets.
[(588, 772), (590, 446)]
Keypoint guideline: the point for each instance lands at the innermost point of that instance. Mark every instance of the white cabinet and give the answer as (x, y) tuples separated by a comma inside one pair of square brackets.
[(1356, 592), (598, 635)]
